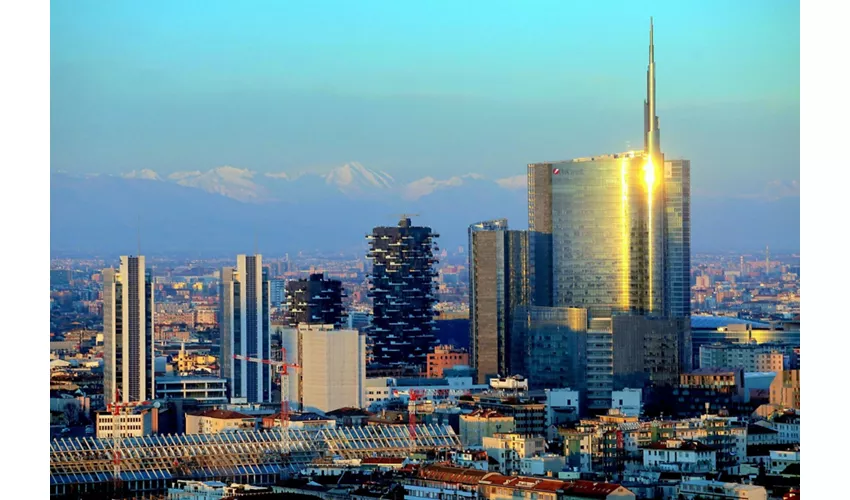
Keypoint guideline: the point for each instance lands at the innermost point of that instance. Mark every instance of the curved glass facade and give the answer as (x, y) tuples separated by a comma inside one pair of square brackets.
[(607, 220)]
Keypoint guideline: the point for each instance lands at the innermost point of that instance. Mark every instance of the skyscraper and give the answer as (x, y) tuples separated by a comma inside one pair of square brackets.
[(677, 240), (314, 301), (245, 329), (615, 231), (499, 283), (402, 289), (128, 308)]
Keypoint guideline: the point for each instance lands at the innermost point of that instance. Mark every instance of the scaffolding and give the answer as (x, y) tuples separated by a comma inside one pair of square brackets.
[(149, 463)]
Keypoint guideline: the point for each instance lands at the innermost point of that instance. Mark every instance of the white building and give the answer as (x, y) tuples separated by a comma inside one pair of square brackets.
[(380, 390), (562, 406), (212, 490), (676, 455), (780, 459), (332, 372), (206, 389), (694, 489), (542, 465), (628, 401), (510, 449), (245, 329), (128, 309), (787, 427), (514, 383)]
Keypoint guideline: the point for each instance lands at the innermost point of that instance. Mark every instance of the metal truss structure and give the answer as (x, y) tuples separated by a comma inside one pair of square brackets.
[(149, 463)]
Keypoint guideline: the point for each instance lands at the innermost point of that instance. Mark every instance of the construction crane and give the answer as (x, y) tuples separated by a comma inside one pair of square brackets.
[(284, 386), (115, 408), (415, 395)]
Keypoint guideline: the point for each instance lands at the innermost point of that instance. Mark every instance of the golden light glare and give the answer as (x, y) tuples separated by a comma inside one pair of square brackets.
[(649, 173)]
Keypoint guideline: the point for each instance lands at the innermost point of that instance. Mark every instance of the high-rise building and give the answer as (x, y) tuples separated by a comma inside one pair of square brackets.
[(314, 301), (606, 217), (677, 238), (277, 293), (401, 285), (647, 351), (332, 367), (499, 271), (553, 343), (128, 308), (614, 230), (245, 327)]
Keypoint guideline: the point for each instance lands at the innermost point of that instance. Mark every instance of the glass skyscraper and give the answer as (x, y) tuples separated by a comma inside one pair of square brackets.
[(499, 283)]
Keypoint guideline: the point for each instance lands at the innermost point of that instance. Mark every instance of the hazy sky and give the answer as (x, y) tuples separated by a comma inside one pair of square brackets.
[(423, 88)]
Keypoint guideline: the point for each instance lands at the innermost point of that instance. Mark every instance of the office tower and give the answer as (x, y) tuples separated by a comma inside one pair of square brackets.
[(499, 269), (128, 308), (490, 225), (401, 285), (617, 227), (332, 372), (555, 345), (245, 329), (540, 237), (277, 293), (677, 241), (606, 218), (648, 351), (314, 301)]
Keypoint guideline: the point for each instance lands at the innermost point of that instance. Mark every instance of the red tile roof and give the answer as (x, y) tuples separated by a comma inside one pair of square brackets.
[(224, 415), (450, 474), (383, 461)]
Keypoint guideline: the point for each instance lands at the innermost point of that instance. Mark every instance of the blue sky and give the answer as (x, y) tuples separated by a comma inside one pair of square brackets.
[(423, 88)]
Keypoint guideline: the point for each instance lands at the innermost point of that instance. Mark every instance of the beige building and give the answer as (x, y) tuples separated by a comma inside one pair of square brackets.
[(483, 423), (785, 389), (136, 423), (694, 489), (749, 357), (332, 367), (215, 421)]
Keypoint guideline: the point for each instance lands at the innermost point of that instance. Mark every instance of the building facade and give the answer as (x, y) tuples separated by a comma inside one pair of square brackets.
[(314, 301), (401, 285), (499, 269), (444, 357), (245, 329), (553, 346), (332, 367), (128, 310)]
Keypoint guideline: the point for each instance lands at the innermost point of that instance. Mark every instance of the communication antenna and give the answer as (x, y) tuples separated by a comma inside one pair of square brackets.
[(138, 235)]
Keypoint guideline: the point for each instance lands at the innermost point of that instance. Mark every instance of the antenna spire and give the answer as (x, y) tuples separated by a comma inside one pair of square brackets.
[(652, 133), (138, 235)]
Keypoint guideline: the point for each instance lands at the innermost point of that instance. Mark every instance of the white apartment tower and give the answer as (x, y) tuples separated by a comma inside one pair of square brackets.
[(245, 329), (332, 371), (128, 310)]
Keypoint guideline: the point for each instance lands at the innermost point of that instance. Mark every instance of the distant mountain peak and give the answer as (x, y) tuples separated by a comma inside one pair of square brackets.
[(144, 173), (354, 176)]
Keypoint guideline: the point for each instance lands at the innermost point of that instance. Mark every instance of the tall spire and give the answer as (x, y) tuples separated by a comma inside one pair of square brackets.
[(652, 134)]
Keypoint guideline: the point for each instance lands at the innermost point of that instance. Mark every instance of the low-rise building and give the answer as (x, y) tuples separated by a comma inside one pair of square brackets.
[(202, 389), (542, 465), (443, 357), (677, 455), (483, 423), (627, 401), (750, 357), (131, 422), (215, 421), (510, 449), (697, 489)]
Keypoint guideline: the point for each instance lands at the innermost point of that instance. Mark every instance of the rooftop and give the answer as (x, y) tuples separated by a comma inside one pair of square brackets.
[(700, 322), (223, 414)]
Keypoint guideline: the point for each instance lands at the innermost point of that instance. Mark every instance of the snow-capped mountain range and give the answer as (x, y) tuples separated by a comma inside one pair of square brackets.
[(352, 180)]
